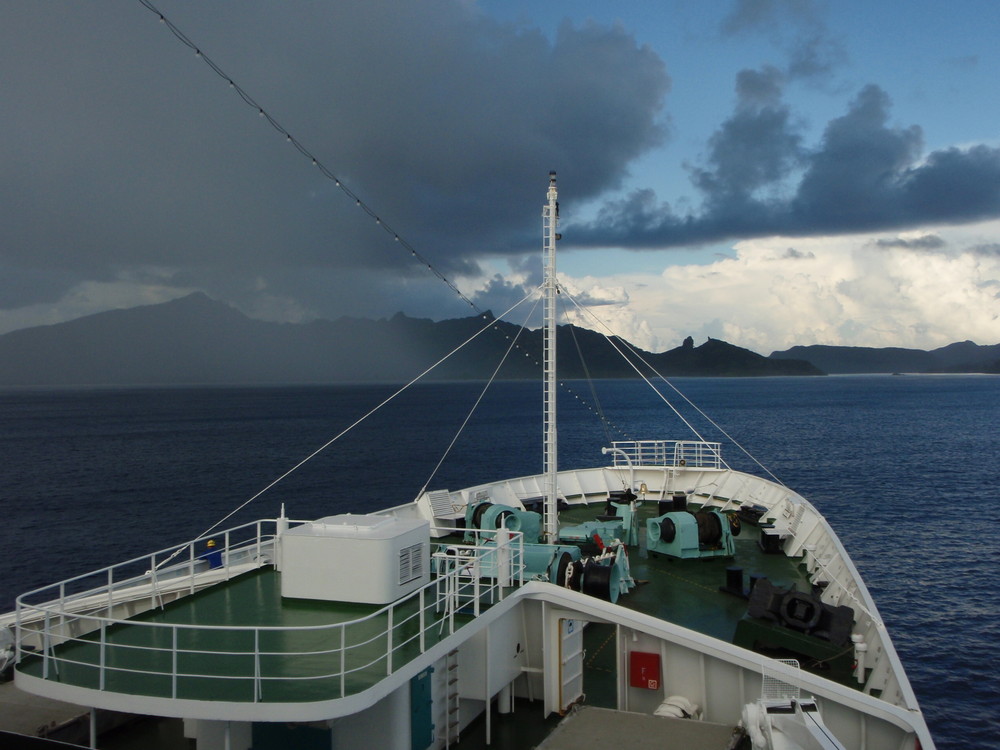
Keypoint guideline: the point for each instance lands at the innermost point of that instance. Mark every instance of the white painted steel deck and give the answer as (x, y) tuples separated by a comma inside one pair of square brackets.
[(242, 642), (331, 661)]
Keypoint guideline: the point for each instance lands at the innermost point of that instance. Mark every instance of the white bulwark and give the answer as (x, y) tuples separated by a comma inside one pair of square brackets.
[(355, 558)]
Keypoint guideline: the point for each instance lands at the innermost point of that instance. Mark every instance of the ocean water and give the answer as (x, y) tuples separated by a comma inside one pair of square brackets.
[(904, 468)]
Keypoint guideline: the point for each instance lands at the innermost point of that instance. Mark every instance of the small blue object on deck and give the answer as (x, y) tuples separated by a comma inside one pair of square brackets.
[(214, 555)]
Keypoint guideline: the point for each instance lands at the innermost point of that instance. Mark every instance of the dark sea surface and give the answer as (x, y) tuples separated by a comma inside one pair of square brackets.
[(906, 469)]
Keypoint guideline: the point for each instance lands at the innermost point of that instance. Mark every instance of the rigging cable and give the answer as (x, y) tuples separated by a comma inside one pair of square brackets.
[(707, 418), (347, 429), (323, 169), (330, 175), (639, 372), (677, 391), (475, 406), (590, 384), (301, 148)]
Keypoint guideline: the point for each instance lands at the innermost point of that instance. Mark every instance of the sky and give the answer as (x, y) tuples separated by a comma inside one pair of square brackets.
[(767, 172)]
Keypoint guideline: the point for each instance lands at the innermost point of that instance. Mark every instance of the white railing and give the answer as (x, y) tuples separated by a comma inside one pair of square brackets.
[(149, 581), (82, 642), (467, 578), (686, 453)]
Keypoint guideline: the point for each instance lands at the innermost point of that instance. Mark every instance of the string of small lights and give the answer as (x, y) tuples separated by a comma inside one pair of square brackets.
[(263, 113), (609, 336), (659, 376), (475, 406), (605, 424), (302, 149), (346, 430)]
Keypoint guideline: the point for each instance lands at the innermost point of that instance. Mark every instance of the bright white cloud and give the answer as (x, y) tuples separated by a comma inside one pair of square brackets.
[(917, 289), (607, 309)]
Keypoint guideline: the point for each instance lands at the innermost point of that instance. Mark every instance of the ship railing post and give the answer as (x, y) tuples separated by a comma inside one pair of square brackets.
[(256, 665), (503, 562), (103, 655), (191, 565), (422, 619), (46, 645), (523, 561), (490, 594), (388, 653), (173, 662), (476, 585), (452, 588), (260, 531), (154, 587), (111, 586), (343, 659), (437, 585), (62, 607), (452, 599), (226, 549), (18, 632)]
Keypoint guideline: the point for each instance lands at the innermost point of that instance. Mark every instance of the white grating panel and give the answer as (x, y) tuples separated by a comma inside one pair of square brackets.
[(440, 503), (775, 689)]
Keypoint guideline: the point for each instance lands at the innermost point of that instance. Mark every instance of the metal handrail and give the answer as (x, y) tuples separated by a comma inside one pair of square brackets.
[(688, 453), (58, 622), (257, 541)]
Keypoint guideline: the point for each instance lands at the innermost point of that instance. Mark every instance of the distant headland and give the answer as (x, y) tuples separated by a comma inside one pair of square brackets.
[(198, 340)]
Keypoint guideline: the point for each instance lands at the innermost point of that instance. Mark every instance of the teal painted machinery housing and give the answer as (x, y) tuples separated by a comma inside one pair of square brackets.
[(487, 516), (686, 535), (619, 522)]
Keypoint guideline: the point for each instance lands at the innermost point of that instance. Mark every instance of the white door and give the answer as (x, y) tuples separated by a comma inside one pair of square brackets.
[(570, 662)]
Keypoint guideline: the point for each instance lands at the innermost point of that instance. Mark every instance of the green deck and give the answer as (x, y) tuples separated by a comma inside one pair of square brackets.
[(140, 660), (687, 593)]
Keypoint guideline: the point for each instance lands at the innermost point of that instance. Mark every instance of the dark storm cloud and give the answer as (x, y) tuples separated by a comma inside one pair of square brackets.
[(792, 254), (501, 293), (855, 177), (927, 242), (990, 250), (122, 149), (864, 175), (753, 148), (756, 15), (797, 27)]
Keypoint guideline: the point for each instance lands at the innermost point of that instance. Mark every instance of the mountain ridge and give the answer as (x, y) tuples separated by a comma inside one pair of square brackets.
[(199, 340), (961, 356)]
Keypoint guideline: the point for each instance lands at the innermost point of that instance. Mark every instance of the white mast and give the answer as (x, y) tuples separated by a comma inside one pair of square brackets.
[(550, 220)]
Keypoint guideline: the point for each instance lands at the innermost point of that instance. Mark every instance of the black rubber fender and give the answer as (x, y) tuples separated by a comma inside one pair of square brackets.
[(709, 527), (477, 514), (667, 530), (597, 581), (663, 529), (565, 560), (800, 611)]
